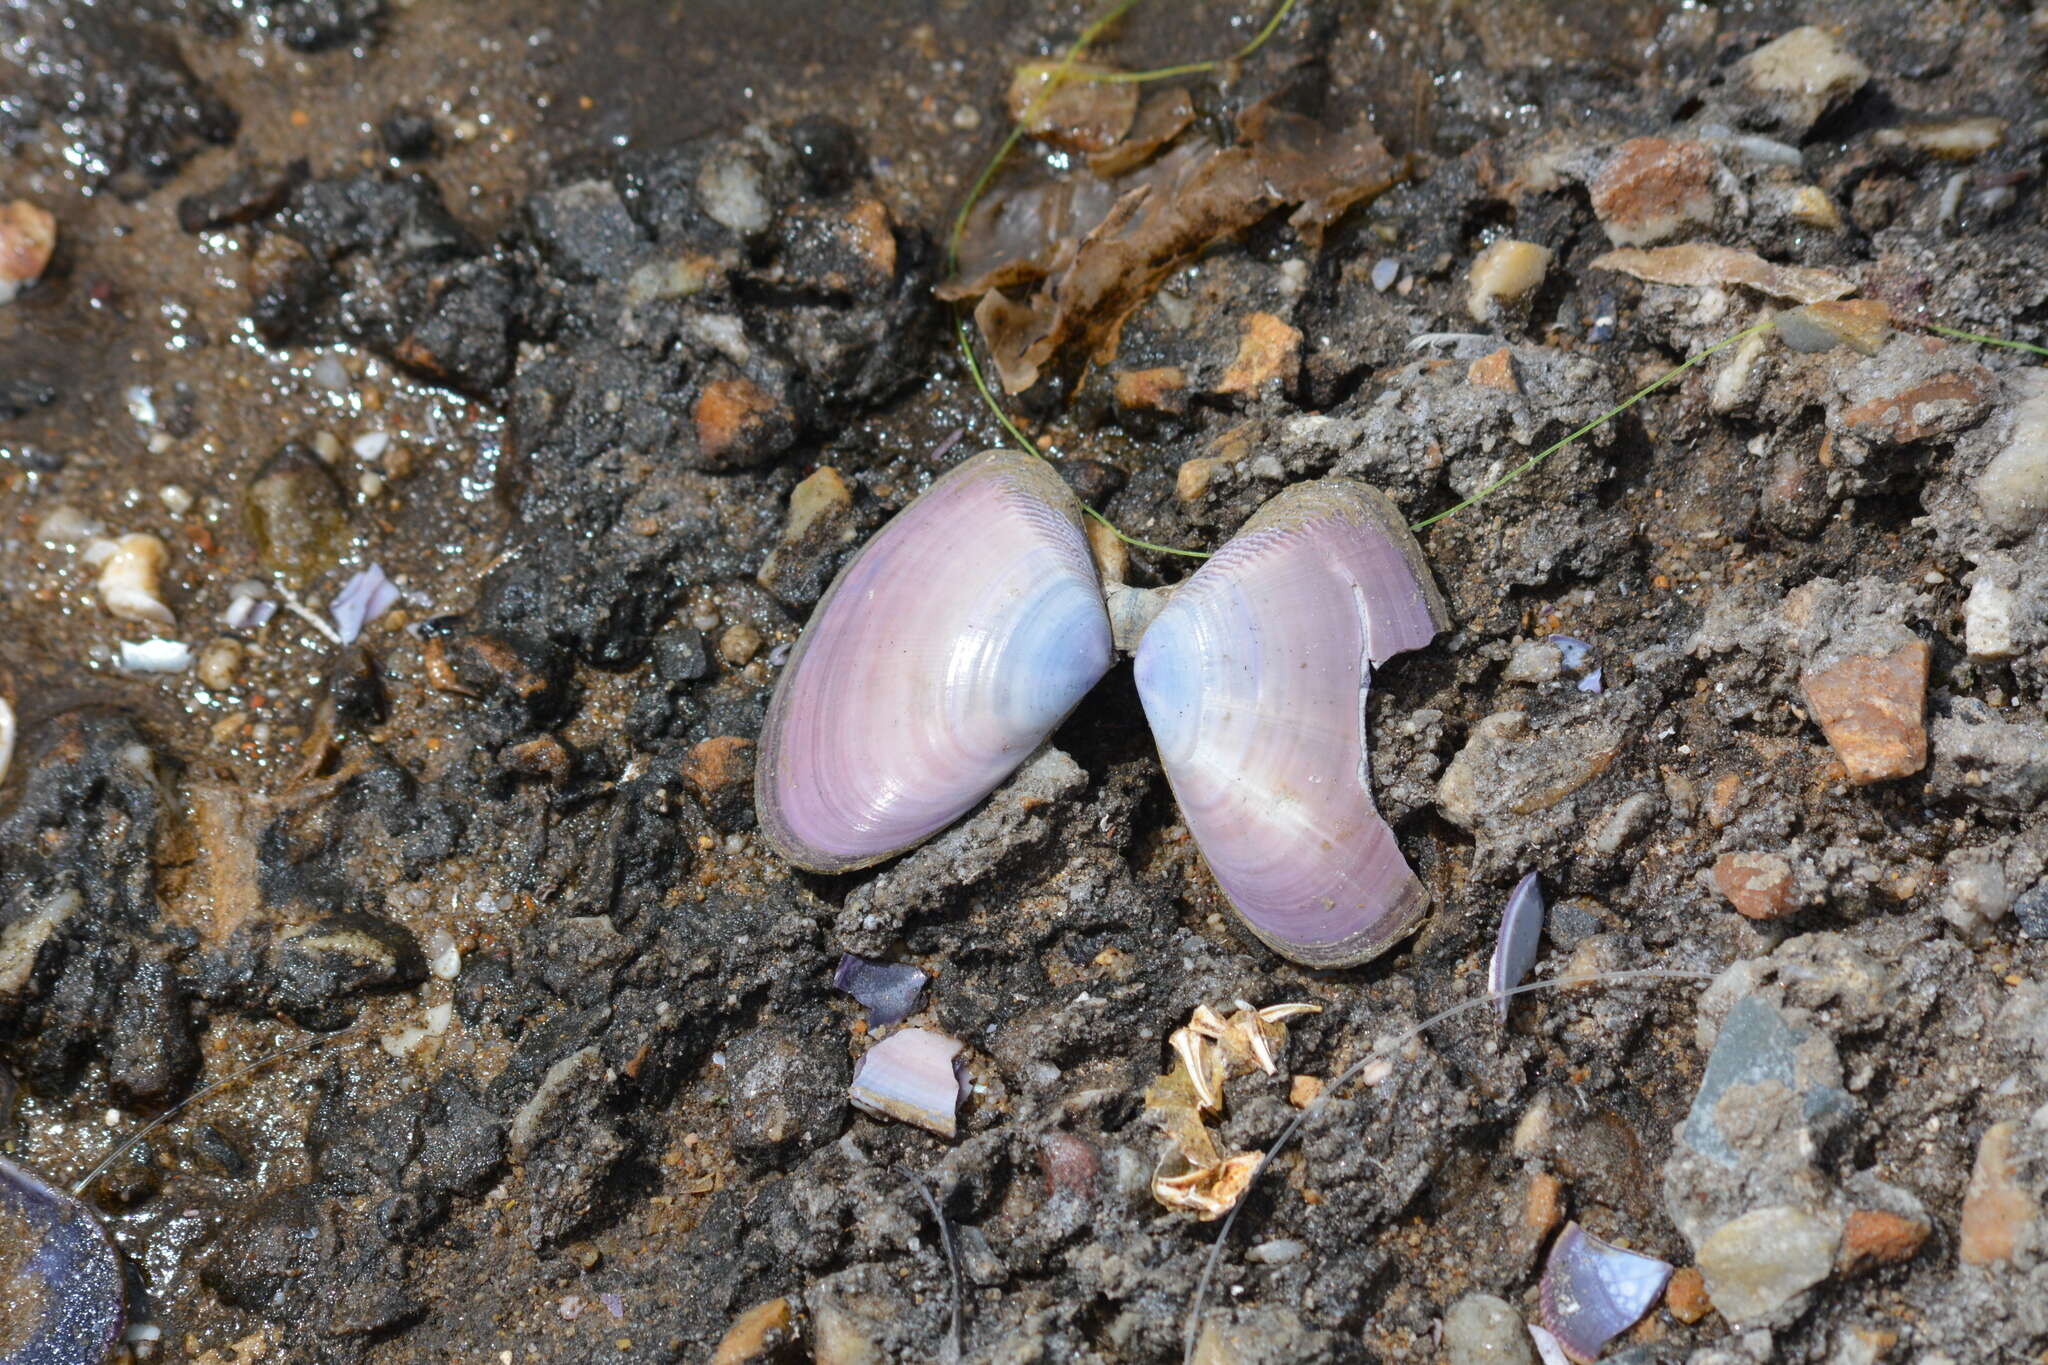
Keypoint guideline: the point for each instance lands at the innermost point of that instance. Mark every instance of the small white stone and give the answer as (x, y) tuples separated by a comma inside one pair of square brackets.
[(1988, 622), (175, 499), (371, 445)]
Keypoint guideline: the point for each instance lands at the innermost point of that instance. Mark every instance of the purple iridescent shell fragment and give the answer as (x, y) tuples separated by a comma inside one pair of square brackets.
[(912, 1076), (1514, 951), (365, 597), (1254, 679), (1574, 651), (944, 653), (1593, 1292), (890, 990), (61, 1291)]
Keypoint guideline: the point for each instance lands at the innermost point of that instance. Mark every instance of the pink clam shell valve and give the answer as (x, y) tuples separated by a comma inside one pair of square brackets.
[(944, 653), (1254, 679)]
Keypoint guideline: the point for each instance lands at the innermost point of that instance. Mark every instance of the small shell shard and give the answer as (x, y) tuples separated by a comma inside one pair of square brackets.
[(1592, 1292), (890, 990), (1514, 952), (944, 653), (910, 1076), (61, 1289), (1254, 680), (365, 597)]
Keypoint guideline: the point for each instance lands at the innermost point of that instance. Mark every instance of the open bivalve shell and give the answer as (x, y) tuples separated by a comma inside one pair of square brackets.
[(61, 1290), (944, 653), (1254, 679)]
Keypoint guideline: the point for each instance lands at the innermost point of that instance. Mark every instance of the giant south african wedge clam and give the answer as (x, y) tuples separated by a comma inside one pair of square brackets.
[(957, 639)]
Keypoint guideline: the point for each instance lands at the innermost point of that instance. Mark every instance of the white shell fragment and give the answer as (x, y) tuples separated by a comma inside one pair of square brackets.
[(1254, 679), (1592, 1292), (1514, 952), (129, 569), (6, 738), (909, 1076), (155, 655), (945, 652)]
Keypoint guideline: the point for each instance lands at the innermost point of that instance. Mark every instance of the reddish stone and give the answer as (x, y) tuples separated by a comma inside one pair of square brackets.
[(1996, 1207), (1494, 371), (1686, 1295), (1873, 711), (1757, 884), (1269, 350), (1873, 1237), (1941, 406), (728, 413), (1651, 190)]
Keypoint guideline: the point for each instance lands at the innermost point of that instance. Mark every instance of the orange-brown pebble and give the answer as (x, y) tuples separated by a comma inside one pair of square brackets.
[(1942, 405), (28, 236), (1996, 1208), (1269, 350), (871, 235), (726, 412), (1163, 388), (1874, 1237), (1686, 1295), (1652, 189), (1302, 1090), (1542, 1205), (1873, 711), (756, 1336), (715, 764), (1757, 884), (1495, 371)]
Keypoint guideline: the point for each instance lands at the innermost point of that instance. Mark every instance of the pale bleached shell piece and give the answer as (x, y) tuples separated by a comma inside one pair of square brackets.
[(944, 653), (1254, 679), (128, 580), (6, 738), (909, 1076)]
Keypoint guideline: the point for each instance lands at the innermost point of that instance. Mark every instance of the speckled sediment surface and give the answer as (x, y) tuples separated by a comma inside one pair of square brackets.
[(560, 307)]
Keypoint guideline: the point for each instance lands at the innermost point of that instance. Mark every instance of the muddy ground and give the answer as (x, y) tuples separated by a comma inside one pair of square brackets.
[(465, 291)]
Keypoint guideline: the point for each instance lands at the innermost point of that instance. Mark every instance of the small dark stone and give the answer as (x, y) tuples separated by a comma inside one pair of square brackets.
[(215, 1149), (19, 397), (680, 656), (2031, 910), (317, 25), (317, 969), (827, 152), (356, 687), (296, 513), (788, 1092), (250, 193), (1093, 482), (523, 682), (285, 285), (585, 232), (1572, 921), (409, 136), (132, 109)]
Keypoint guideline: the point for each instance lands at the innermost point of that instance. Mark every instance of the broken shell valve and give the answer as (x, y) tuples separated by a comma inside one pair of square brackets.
[(1592, 1292), (1254, 680), (61, 1292), (944, 653)]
